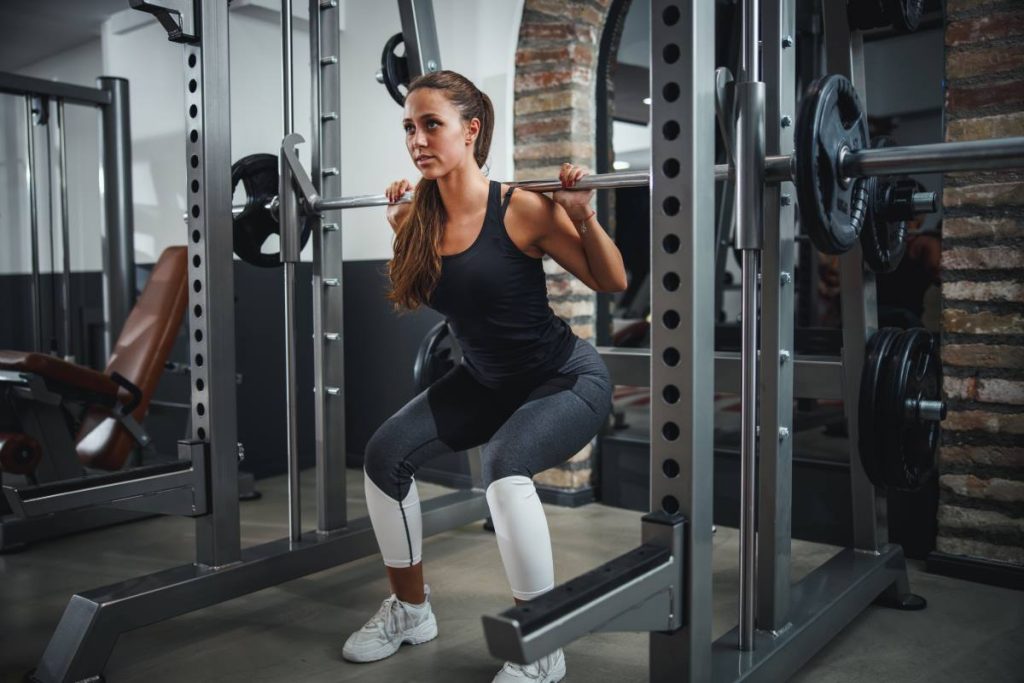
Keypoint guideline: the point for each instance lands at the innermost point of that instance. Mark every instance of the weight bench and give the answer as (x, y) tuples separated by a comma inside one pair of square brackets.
[(61, 422)]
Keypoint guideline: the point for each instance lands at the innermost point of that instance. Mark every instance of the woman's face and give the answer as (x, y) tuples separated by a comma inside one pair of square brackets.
[(437, 138)]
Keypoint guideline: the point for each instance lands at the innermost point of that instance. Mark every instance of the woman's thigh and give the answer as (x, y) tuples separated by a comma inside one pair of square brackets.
[(456, 413), (557, 419)]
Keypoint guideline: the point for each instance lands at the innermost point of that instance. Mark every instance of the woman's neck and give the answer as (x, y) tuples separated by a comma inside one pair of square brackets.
[(463, 190)]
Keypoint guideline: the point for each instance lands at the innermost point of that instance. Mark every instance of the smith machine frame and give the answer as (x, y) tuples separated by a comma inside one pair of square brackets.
[(663, 586)]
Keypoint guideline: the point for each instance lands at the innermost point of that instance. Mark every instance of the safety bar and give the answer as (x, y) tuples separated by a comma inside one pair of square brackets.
[(638, 591), (175, 488), (819, 377)]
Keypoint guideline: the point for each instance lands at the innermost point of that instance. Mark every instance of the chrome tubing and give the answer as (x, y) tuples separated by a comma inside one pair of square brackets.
[(289, 255), (749, 143)]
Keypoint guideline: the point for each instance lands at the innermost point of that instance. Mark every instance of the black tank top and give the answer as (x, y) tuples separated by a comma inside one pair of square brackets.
[(496, 301)]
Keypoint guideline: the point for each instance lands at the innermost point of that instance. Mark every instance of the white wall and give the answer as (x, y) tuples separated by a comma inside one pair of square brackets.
[(80, 66)]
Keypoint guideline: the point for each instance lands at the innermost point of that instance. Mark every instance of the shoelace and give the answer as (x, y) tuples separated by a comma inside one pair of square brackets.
[(386, 619), (536, 669)]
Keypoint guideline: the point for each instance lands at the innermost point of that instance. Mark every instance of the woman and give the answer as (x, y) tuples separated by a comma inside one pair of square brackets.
[(528, 388)]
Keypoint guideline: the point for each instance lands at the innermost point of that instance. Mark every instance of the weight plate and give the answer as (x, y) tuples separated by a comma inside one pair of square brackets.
[(832, 207), (882, 239), (904, 15), (914, 374), (435, 357), (256, 223), (394, 69), (871, 428)]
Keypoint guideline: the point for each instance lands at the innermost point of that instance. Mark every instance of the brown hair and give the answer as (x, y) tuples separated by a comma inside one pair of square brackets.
[(416, 266)]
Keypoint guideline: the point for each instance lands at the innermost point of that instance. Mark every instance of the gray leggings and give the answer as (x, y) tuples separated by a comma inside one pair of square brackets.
[(524, 429)]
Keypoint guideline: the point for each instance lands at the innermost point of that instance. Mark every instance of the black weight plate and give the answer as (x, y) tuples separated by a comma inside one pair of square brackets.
[(435, 357), (831, 207), (395, 69), (882, 239), (904, 15), (258, 174), (870, 417), (914, 374)]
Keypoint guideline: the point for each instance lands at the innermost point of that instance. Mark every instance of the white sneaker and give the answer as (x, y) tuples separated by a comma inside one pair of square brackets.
[(547, 669), (396, 622)]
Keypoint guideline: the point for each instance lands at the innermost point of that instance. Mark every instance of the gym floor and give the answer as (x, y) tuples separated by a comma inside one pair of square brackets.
[(294, 632)]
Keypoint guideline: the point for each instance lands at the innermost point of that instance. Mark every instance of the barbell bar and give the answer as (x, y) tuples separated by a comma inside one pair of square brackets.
[(973, 155)]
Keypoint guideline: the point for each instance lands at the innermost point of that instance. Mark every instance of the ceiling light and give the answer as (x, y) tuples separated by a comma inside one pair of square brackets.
[(620, 165), (647, 100)]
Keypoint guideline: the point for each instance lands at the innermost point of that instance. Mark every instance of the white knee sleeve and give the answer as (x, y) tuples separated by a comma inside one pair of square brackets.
[(397, 526), (523, 538)]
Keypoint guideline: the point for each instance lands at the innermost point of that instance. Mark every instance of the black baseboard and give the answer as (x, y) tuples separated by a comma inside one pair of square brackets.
[(548, 494), (991, 572)]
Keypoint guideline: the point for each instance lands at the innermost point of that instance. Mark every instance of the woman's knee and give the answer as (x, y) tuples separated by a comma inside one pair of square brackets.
[(382, 458)]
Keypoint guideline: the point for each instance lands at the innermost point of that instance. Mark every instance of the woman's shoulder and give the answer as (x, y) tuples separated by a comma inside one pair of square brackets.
[(527, 204)]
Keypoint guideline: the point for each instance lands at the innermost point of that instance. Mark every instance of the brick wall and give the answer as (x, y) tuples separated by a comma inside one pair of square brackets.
[(556, 68), (981, 507)]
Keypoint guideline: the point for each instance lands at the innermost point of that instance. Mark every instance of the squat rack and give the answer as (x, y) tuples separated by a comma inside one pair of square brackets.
[(663, 586)]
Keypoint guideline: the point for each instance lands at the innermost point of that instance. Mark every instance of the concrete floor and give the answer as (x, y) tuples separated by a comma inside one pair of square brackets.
[(294, 632)]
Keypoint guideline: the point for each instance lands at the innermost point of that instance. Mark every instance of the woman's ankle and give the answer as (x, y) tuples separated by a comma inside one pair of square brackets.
[(407, 584)]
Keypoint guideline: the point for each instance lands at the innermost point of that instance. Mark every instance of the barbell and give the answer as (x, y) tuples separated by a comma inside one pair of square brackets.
[(831, 161)]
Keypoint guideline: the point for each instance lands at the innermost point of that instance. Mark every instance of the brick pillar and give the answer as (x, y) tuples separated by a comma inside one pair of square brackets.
[(981, 507), (556, 71)]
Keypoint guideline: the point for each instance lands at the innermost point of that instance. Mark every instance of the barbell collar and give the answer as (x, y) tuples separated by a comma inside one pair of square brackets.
[(926, 202), (926, 411)]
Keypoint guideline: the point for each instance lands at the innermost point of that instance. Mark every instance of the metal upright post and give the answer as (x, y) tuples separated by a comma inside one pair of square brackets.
[(212, 281), (119, 245), (775, 467), (65, 232), (328, 319), (843, 50), (750, 154), (289, 257), (682, 308), (419, 33), (33, 208)]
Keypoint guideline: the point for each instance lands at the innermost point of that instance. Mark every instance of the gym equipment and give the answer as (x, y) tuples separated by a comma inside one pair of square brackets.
[(891, 202), (438, 353), (75, 421), (421, 54), (902, 15), (256, 219), (110, 98), (394, 70), (664, 585), (832, 206), (900, 408)]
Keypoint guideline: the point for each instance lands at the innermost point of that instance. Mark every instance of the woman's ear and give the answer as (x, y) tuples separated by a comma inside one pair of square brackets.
[(472, 130)]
